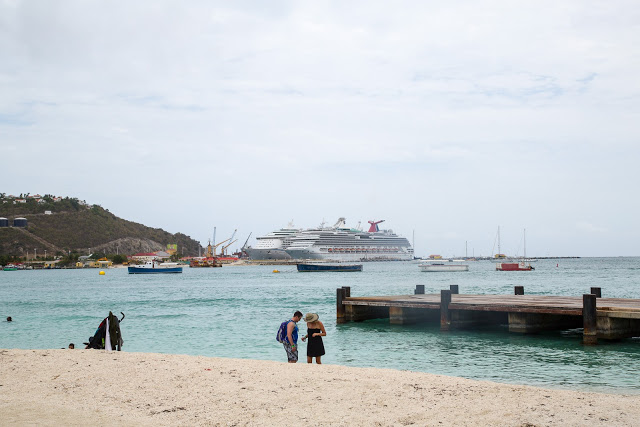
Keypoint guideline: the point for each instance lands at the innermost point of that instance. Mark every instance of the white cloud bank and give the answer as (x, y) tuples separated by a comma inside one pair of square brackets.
[(447, 119)]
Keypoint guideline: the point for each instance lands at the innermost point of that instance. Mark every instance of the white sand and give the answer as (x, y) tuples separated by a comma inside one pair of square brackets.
[(91, 387)]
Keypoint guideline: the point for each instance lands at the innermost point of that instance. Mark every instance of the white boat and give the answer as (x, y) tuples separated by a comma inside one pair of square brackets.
[(442, 266), (155, 267)]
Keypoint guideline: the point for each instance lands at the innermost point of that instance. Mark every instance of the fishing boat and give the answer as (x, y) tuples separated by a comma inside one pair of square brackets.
[(152, 267), (329, 267), (441, 266)]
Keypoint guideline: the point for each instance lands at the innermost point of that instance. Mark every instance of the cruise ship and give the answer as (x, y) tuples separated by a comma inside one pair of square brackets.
[(272, 245), (340, 243)]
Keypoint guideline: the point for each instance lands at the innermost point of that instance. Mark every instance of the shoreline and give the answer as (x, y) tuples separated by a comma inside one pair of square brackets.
[(76, 387)]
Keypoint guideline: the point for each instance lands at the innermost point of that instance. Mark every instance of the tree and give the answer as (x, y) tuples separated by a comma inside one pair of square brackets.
[(118, 259)]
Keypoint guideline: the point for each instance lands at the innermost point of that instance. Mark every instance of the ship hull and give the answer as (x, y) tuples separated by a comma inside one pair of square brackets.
[(143, 270), (266, 254), (328, 267)]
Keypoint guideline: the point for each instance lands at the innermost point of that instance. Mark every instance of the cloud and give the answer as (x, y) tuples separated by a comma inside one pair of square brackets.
[(585, 226), (475, 114)]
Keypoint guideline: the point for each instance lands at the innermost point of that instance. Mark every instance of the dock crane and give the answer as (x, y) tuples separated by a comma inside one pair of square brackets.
[(216, 245), (224, 248), (245, 242)]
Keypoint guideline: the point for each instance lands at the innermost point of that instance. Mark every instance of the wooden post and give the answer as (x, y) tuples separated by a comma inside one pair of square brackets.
[(454, 289), (347, 291), (419, 289), (589, 320), (340, 311), (445, 314), (518, 290), (597, 292)]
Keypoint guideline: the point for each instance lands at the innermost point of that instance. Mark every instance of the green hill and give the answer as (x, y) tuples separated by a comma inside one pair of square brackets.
[(73, 226)]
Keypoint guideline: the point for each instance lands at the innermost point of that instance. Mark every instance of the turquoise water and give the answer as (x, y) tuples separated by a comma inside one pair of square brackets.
[(235, 312)]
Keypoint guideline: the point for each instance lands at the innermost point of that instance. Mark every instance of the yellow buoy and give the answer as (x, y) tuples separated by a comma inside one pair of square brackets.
[(276, 271), (102, 273)]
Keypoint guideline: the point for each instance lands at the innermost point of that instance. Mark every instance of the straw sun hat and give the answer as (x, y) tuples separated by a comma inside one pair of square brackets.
[(311, 317)]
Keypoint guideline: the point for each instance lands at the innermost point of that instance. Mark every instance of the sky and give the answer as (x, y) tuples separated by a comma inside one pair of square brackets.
[(445, 119)]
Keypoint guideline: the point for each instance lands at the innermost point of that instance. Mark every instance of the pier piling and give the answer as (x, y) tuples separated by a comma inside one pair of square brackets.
[(340, 310), (419, 290), (454, 289), (445, 313), (597, 292), (589, 320), (518, 290)]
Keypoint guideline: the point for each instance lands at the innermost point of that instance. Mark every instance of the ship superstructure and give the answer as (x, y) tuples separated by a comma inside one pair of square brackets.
[(272, 245), (340, 243)]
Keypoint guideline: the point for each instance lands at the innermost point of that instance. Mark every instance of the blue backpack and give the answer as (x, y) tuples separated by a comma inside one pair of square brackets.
[(281, 336)]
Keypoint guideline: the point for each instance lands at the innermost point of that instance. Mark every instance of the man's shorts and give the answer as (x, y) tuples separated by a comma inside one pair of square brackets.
[(292, 355)]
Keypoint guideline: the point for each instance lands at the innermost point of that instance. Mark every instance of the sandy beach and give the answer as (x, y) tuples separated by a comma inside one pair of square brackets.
[(80, 387)]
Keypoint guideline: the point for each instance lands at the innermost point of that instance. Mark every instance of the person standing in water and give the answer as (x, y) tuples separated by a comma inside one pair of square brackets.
[(315, 332)]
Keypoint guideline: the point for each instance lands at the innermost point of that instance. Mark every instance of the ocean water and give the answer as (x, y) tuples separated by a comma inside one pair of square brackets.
[(235, 312)]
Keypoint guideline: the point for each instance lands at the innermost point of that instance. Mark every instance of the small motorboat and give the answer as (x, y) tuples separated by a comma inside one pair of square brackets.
[(329, 267), (10, 267), (155, 267), (514, 266), (441, 266)]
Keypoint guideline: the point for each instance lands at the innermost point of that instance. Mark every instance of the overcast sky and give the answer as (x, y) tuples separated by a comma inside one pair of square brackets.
[(446, 119)]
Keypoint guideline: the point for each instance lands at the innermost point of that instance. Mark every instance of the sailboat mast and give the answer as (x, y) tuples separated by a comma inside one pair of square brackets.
[(524, 236), (499, 251)]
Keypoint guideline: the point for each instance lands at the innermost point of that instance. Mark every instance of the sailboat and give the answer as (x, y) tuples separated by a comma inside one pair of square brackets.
[(522, 265)]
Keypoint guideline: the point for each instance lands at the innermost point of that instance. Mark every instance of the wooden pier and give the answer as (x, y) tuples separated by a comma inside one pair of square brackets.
[(600, 318)]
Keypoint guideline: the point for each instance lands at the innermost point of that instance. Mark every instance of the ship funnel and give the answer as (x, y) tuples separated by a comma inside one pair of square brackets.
[(374, 226)]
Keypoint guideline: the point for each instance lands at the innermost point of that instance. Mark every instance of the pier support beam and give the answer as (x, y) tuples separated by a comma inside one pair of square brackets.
[(454, 289), (615, 328), (597, 292), (409, 315), (518, 290), (419, 290), (445, 313), (530, 323), (589, 320), (359, 313)]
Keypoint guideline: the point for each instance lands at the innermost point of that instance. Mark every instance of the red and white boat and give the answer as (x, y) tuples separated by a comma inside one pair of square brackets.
[(514, 266)]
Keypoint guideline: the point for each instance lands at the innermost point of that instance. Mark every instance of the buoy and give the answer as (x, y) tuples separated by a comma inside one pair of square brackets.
[(276, 271), (102, 273)]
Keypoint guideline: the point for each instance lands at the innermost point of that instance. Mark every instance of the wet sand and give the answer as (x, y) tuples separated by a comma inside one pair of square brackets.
[(91, 387)]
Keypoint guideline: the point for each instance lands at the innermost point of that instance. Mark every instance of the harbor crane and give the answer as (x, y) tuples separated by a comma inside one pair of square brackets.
[(224, 248), (218, 244), (245, 242)]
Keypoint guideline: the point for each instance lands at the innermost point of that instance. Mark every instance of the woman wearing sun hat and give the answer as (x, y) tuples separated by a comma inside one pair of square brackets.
[(315, 332)]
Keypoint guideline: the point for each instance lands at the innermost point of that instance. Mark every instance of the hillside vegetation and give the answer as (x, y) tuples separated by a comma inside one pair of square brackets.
[(74, 226)]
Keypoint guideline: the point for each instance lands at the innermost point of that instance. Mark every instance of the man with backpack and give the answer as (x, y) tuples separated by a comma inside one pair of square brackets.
[(288, 336)]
